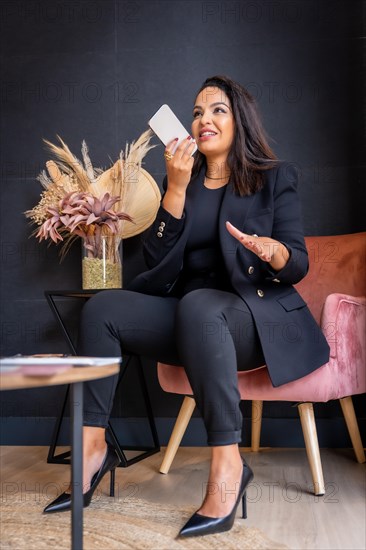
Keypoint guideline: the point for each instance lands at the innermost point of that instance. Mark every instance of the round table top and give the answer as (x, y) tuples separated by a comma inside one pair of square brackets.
[(13, 380)]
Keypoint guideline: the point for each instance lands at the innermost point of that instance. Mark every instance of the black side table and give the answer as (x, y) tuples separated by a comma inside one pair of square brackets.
[(64, 458)]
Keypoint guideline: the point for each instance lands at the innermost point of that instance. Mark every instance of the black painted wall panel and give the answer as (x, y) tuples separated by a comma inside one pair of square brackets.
[(98, 69)]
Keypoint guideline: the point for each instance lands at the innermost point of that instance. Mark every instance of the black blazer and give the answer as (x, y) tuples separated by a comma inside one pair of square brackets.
[(292, 342)]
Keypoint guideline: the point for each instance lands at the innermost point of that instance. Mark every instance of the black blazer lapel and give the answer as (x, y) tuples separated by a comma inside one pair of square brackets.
[(234, 209)]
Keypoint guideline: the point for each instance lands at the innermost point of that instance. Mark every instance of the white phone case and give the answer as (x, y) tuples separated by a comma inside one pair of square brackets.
[(167, 126)]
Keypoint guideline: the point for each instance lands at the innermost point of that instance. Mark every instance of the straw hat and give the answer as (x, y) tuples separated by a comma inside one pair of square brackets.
[(141, 202)]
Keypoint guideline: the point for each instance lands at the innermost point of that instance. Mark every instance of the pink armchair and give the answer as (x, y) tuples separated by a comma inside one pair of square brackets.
[(335, 290)]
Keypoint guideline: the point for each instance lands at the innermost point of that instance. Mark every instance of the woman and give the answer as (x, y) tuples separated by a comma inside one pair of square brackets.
[(223, 253)]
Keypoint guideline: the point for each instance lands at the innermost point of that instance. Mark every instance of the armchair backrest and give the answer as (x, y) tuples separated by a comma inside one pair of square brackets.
[(336, 264)]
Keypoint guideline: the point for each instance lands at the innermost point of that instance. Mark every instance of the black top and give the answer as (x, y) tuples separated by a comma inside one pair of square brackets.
[(203, 265)]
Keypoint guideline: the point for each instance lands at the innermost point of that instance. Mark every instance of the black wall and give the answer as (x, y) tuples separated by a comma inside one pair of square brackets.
[(98, 69)]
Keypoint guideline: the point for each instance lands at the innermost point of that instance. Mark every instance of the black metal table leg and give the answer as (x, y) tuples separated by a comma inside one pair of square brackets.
[(61, 324), (76, 411), (60, 458)]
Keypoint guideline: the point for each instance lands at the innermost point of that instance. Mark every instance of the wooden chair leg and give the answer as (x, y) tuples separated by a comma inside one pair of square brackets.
[(306, 412), (257, 410), (179, 429), (353, 430)]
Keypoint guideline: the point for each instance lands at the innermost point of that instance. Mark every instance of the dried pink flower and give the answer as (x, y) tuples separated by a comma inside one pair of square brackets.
[(82, 214)]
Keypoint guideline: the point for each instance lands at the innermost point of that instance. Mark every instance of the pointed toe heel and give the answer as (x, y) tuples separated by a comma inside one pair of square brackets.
[(63, 502), (199, 525)]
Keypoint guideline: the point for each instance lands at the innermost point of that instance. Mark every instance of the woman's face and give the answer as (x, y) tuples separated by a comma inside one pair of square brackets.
[(213, 123)]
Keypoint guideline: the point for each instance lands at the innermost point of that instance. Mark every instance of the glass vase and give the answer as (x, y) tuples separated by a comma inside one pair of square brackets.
[(101, 262)]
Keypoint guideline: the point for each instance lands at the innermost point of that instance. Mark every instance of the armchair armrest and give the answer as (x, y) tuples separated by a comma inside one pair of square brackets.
[(343, 322)]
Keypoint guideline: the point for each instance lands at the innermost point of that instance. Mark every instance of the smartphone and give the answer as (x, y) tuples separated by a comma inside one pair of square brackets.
[(167, 127)]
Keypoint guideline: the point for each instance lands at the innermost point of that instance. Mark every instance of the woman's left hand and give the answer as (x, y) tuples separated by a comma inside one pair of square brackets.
[(267, 249)]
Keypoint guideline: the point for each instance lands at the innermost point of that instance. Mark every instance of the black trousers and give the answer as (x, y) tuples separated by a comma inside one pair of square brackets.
[(209, 332)]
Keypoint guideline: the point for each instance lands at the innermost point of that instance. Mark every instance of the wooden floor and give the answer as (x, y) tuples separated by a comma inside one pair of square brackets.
[(280, 499)]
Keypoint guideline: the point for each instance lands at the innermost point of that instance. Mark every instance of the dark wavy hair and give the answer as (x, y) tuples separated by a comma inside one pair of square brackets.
[(250, 154)]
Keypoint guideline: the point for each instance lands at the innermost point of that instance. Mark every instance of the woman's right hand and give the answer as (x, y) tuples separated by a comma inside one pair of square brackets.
[(179, 167), (178, 170)]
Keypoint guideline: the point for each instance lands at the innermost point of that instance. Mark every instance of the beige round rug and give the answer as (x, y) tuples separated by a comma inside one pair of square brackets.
[(128, 523)]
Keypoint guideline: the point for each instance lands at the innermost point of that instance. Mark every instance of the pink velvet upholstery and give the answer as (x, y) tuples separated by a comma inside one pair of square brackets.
[(335, 290)]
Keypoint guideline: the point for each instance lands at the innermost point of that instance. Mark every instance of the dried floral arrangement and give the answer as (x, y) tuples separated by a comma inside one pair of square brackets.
[(82, 201)]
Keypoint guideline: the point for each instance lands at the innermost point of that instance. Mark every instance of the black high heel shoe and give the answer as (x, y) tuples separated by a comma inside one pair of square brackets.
[(63, 502), (199, 525)]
